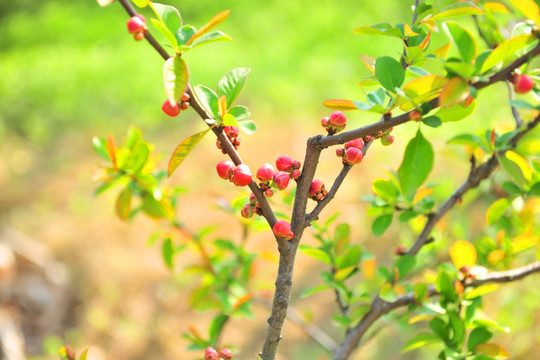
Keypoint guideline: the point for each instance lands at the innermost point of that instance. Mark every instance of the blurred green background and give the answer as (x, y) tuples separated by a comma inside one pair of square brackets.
[(69, 71)]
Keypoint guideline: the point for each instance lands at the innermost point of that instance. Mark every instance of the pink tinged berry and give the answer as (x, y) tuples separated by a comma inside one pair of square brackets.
[(523, 83), (246, 211), (231, 131), (282, 229), (324, 122), (340, 152), (337, 120), (225, 169), (281, 180), (353, 156), (357, 143), (295, 174), (170, 109), (242, 175), (387, 140), (284, 163), (252, 198), (136, 24), (317, 190), (367, 138), (185, 97), (226, 354), (184, 105), (268, 192), (415, 115), (296, 164), (265, 173), (211, 354)]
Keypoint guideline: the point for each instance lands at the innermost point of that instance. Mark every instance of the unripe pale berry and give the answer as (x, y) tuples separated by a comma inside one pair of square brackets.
[(265, 173), (246, 211), (226, 354), (415, 115), (136, 24), (281, 180), (282, 229), (357, 143), (284, 163), (170, 109), (225, 169), (522, 83), (242, 175), (387, 140), (353, 156), (211, 354)]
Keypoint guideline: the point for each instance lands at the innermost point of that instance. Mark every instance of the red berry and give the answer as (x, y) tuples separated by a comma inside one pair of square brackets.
[(283, 229), (336, 122), (281, 180), (387, 140), (324, 122), (211, 354), (226, 354), (170, 109), (246, 211), (265, 173), (367, 138), (415, 115), (136, 24), (242, 175), (357, 143), (295, 174), (340, 152), (185, 97), (284, 163), (316, 186), (231, 131), (353, 156), (268, 192), (296, 164), (141, 17), (225, 169), (523, 83)]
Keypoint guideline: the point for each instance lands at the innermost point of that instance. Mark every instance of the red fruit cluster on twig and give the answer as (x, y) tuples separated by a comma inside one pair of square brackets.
[(136, 25), (173, 110), (282, 229), (232, 133), (351, 152), (239, 175), (522, 83), (317, 190), (212, 354), (334, 123)]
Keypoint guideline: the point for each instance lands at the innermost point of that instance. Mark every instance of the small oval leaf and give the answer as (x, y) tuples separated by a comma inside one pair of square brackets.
[(175, 78), (183, 150)]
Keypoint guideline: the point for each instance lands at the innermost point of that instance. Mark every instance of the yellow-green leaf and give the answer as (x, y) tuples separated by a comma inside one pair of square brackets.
[(464, 40), (524, 166), (183, 150), (175, 78), (496, 210), (222, 106), (456, 112), (141, 3), (369, 61), (105, 2), (463, 253), (83, 355), (215, 21), (506, 50), (495, 7), (123, 204), (422, 193), (340, 104), (463, 10), (454, 92), (424, 84), (492, 350), (481, 290), (529, 8)]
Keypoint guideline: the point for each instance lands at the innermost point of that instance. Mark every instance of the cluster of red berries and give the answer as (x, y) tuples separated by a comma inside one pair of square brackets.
[(522, 83), (232, 133), (174, 109), (136, 25), (282, 229), (351, 152), (334, 123), (317, 190), (239, 175), (213, 354), (251, 208)]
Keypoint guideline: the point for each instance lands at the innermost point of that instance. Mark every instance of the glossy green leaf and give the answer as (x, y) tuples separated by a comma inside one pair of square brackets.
[(456, 112), (496, 210), (248, 126), (185, 33), (388, 293), (385, 189), (389, 73), (317, 253), (420, 292), (205, 29), (432, 121), (313, 290), (405, 264), (457, 10), (342, 235), (478, 335), (123, 204), (216, 327), (83, 355), (208, 99), (167, 34), (463, 39), (490, 324), (231, 84), (175, 78), (438, 326), (351, 257), (515, 169), (211, 37), (139, 158), (228, 119), (167, 251), (535, 190), (100, 147), (417, 163), (239, 112), (381, 223), (379, 29), (183, 150), (458, 329), (444, 286), (420, 341), (506, 50), (169, 15)]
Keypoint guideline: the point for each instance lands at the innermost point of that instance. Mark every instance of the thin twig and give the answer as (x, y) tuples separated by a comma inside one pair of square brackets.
[(515, 112)]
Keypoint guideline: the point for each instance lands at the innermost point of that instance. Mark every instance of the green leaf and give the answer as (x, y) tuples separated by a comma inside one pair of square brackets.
[(457, 10), (139, 157), (123, 204), (100, 147), (514, 170), (248, 126), (490, 324), (239, 112), (444, 286), (351, 258), (496, 210), (342, 235), (463, 39), (417, 71), (439, 328), (185, 33), (432, 121), (211, 37), (317, 253), (183, 150), (228, 119), (216, 326), (522, 104), (208, 99), (389, 73), (167, 251), (169, 15), (535, 190), (231, 84), (506, 50), (381, 224), (453, 93), (420, 292), (388, 293), (83, 355), (529, 8), (379, 29), (455, 113), (215, 21), (478, 336), (458, 329), (466, 139), (481, 290), (404, 264), (313, 290), (175, 78), (417, 163), (385, 189), (419, 341)]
